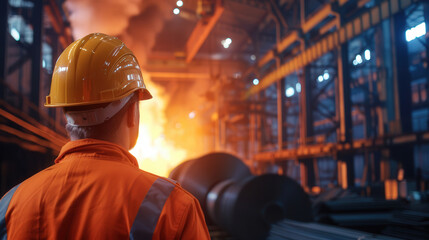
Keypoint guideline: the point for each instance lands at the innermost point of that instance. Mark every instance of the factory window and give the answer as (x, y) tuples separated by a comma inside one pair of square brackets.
[(321, 76), (269, 119), (362, 53), (47, 57), (19, 29), (327, 175), (291, 123), (416, 45)]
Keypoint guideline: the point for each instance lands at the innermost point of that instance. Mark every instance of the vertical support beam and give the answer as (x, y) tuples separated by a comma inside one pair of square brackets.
[(259, 125), (36, 51), (346, 170), (342, 174), (426, 13), (311, 180), (402, 79), (303, 175), (306, 113), (302, 9), (3, 42), (343, 100), (306, 169), (401, 72), (280, 110), (3, 52)]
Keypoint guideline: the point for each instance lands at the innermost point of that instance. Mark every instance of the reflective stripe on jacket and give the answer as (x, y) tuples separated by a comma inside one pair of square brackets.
[(96, 191)]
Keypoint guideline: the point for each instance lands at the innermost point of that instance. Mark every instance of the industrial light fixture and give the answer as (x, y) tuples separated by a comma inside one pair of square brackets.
[(320, 78), (226, 42), (15, 34), (179, 3), (290, 91), (176, 11), (253, 57), (359, 59), (367, 55), (326, 75), (191, 115), (298, 87), (255, 81), (415, 32)]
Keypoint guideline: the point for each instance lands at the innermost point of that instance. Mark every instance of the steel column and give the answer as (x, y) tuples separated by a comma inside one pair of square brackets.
[(36, 51), (426, 13), (3, 42), (401, 72), (344, 106), (280, 110), (306, 113), (402, 77), (343, 100)]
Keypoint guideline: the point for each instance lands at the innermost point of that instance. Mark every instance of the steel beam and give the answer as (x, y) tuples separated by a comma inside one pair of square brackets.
[(309, 172), (402, 92), (317, 18), (344, 106), (36, 51), (306, 115), (343, 96), (178, 76), (372, 17), (52, 11), (3, 44), (426, 13), (201, 32), (401, 72), (279, 14), (280, 111)]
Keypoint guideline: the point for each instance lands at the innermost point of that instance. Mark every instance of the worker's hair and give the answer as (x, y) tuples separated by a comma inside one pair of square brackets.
[(98, 131)]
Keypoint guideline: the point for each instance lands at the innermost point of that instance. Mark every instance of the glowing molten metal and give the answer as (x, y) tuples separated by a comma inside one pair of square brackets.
[(154, 153)]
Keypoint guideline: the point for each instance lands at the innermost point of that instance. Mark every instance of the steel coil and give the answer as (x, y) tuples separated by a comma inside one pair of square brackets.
[(242, 204)]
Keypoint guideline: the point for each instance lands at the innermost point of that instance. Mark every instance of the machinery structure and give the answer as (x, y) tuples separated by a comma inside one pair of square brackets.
[(326, 97), (243, 204), (271, 206)]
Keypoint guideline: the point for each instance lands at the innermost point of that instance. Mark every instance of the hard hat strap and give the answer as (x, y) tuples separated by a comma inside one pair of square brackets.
[(96, 116)]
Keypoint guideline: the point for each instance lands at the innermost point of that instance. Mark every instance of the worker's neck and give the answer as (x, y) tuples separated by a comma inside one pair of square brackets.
[(120, 136)]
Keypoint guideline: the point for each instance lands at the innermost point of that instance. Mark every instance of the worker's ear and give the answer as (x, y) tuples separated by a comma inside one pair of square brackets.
[(132, 114)]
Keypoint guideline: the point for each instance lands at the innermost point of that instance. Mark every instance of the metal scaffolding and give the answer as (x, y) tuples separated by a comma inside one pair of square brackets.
[(33, 33), (342, 83)]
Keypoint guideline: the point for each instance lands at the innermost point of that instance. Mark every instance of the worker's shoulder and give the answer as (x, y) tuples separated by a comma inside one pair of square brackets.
[(177, 189)]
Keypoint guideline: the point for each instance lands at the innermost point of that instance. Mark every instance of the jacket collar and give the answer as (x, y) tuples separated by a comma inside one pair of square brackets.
[(97, 148)]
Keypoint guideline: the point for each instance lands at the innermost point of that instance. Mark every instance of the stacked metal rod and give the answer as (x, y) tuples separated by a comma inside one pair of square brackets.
[(293, 230)]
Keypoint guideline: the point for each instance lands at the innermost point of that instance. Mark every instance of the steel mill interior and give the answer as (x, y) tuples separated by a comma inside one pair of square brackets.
[(286, 119)]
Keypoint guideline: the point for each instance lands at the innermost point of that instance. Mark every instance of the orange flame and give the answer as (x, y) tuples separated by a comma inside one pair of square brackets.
[(154, 153)]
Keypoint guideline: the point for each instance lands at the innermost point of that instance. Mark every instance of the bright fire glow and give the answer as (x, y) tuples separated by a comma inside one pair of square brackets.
[(154, 153)]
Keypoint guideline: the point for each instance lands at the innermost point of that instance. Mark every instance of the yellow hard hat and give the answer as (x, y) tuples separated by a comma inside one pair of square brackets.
[(95, 69)]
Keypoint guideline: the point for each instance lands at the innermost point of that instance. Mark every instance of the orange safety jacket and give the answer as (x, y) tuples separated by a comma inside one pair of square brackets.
[(96, 191)]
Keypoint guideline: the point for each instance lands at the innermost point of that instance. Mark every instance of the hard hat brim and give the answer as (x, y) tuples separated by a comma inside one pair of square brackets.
[(144, 94)]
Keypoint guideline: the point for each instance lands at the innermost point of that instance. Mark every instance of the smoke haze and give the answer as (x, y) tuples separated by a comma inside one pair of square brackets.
[(136, 23)]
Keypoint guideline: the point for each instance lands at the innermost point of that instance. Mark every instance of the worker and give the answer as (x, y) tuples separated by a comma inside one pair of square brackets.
[(95, 189)]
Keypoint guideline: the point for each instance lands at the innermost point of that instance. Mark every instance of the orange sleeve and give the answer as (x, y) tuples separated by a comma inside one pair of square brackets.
[(193, 224)]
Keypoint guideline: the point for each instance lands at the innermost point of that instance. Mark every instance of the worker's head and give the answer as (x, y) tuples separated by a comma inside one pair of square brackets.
[(98, 82)]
